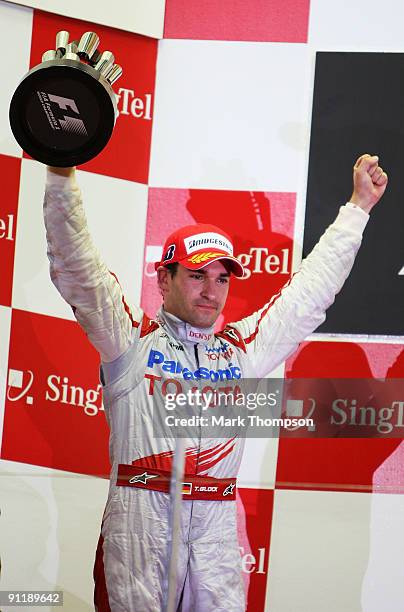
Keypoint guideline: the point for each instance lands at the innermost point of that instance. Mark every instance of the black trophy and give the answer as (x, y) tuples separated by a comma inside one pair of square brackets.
[(64, 110)]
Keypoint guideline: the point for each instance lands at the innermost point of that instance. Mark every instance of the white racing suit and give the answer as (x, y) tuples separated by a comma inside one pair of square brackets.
[(143, 359)]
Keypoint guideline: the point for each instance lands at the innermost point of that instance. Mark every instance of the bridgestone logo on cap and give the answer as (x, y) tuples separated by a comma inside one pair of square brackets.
[(207, 239)]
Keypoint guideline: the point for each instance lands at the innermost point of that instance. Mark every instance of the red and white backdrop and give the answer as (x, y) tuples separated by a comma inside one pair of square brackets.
[(214, 126)]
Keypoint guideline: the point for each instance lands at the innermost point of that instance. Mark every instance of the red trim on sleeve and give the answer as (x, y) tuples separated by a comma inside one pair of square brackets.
[(101, 600), (125, 305), (232, 335), (252, 336), (272, 301), (148, 325)]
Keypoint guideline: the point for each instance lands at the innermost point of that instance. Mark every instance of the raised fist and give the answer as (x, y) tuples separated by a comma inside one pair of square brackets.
[(369, 182)]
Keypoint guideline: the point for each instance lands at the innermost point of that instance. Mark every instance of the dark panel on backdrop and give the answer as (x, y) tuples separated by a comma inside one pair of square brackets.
[(358, 107)]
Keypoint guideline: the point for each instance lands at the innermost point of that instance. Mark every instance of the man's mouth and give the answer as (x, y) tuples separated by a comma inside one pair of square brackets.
[(206, 306)]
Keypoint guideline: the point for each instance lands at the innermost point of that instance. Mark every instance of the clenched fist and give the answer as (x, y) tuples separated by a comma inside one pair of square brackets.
[(369, 181)]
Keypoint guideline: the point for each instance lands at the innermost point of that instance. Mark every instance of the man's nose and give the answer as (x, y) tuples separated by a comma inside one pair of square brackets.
[(209, 288)]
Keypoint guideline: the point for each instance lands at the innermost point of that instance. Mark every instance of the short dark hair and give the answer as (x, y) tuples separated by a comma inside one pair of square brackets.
[(172, 268)]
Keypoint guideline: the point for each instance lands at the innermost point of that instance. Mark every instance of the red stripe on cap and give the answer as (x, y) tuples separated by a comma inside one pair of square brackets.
[(101, 601), (125, 305)]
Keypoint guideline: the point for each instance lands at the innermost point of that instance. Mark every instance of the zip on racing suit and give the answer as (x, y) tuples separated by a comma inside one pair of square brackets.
[(141, 360)]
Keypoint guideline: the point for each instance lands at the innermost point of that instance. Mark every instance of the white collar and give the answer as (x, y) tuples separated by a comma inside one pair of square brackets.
[(185, 331)]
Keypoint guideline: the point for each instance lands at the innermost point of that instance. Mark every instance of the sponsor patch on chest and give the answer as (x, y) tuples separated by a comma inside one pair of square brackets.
[(158, 359)]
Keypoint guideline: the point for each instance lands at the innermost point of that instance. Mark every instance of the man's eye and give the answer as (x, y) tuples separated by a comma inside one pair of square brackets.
[(223, 281), (197, 276)]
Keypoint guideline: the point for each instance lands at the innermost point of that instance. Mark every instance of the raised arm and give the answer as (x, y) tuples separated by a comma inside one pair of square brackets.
[(79, 273), (270, 335)]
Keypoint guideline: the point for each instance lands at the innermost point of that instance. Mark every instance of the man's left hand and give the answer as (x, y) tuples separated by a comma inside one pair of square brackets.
[(369, 181)]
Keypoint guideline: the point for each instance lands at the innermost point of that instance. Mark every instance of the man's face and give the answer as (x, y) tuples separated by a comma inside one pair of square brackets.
[(195, 296)]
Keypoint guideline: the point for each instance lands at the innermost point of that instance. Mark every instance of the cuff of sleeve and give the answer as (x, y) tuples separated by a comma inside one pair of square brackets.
[(59, 182), (352, 218)]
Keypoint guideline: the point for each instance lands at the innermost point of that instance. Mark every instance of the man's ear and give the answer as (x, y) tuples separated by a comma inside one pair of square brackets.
[(162, 279)]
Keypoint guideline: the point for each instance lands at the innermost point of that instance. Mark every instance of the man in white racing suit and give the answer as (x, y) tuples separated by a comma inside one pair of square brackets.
[(142, 360)]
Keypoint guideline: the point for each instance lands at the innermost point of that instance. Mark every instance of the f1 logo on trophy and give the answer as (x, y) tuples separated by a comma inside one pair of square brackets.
[(64, 110)]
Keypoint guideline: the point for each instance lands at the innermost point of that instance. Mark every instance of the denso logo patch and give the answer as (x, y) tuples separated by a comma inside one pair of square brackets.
[(175, 367), (198, 335)]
